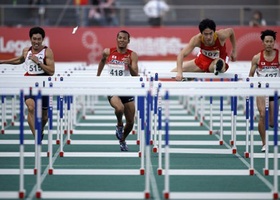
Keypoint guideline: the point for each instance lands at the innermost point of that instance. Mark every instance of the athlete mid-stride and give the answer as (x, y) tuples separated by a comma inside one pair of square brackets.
[(121, 62)]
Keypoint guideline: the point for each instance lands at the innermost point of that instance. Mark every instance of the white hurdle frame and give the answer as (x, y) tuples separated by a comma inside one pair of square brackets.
[(223, 92)]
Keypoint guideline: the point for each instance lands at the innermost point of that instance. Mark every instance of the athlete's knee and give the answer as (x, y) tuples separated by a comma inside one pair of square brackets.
[(119, 109), (30, 108)]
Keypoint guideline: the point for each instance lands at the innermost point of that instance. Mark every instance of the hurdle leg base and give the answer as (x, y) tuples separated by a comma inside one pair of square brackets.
[(201, 123), (231, 142), (2, 131), (133, 132), (139, 154), (12, 123), (57, 142), (221, 142), (155, 149), (61, 154), (142, 171), (34, 171), (21, 194), (275, 196), (138, 142), (246, 154), (266, 172), (251, 172), (38, 194), (151, 142), (166, 195), (147, 195), (159, 171), (50, 171), (210, 132), (234, 151), (68, 141), (71, 131), (65, 131)]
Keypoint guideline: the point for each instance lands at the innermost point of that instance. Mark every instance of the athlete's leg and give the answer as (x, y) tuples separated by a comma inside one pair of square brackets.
[(30, 103), (116, 103), (129, 113), (44, 118), (271, 114), (261, 123), (217, 63), (188, 66)]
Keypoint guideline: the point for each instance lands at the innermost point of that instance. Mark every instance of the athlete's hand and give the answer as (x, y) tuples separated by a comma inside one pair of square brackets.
[(179, 77), (127, 61), (33, 58), (233, 56)]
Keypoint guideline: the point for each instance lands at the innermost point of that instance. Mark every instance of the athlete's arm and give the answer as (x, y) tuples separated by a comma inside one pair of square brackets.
[(228, 33), (102, 62), (133, 66), (254, 65), (17, 60), (194, 41)]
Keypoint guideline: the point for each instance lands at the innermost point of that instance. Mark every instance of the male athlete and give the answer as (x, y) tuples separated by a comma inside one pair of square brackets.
[(121, 62), (213, 54), (266, 64), (39, 61)]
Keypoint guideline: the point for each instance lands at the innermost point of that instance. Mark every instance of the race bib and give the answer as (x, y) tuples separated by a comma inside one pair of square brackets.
[(116, 70), (211, 54), (268, 73), (33, 68)]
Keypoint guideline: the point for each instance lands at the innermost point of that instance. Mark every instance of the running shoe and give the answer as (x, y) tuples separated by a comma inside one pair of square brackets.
[(119, 132), (123, 146), (263, 148), (219, 67)]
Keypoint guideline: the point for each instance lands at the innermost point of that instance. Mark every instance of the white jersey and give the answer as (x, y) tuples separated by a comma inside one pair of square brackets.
[(32, 67)]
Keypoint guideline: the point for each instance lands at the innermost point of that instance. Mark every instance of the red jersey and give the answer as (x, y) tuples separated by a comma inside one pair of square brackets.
[(116, 65), (268, 69), (209, 53)]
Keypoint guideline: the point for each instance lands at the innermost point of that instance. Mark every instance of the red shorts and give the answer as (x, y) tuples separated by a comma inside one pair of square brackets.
[(204, 62)]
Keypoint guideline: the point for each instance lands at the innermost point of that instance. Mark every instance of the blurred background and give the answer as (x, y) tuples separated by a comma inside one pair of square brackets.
[(158, 28), (130, 12)]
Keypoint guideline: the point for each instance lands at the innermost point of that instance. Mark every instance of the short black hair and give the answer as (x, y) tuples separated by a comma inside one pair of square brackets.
[(124, 31), (268, 33), (207, 23), (36, 30)]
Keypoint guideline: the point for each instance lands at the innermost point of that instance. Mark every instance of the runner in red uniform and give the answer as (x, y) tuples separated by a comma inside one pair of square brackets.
[(121, 62), (266, 64), (38, 61), (212, 56)]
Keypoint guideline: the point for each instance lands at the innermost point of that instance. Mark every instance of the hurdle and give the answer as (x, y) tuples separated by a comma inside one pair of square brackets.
[(212, 195), (61, 91), (57, 91)]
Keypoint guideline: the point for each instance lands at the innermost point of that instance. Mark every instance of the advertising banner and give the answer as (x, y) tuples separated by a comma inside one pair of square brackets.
[(153, 44)]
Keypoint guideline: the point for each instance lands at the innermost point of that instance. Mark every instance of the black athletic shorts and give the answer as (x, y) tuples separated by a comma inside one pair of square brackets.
[(45, 101), (123, 99), (271, 98)]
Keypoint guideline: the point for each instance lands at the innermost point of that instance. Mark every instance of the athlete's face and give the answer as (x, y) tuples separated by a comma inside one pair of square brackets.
[(122, 40), (36, 41), (208, 36), (268, 43)]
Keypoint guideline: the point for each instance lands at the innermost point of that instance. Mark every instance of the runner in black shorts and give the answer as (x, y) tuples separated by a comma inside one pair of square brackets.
[(121, 62), (38, 60)]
